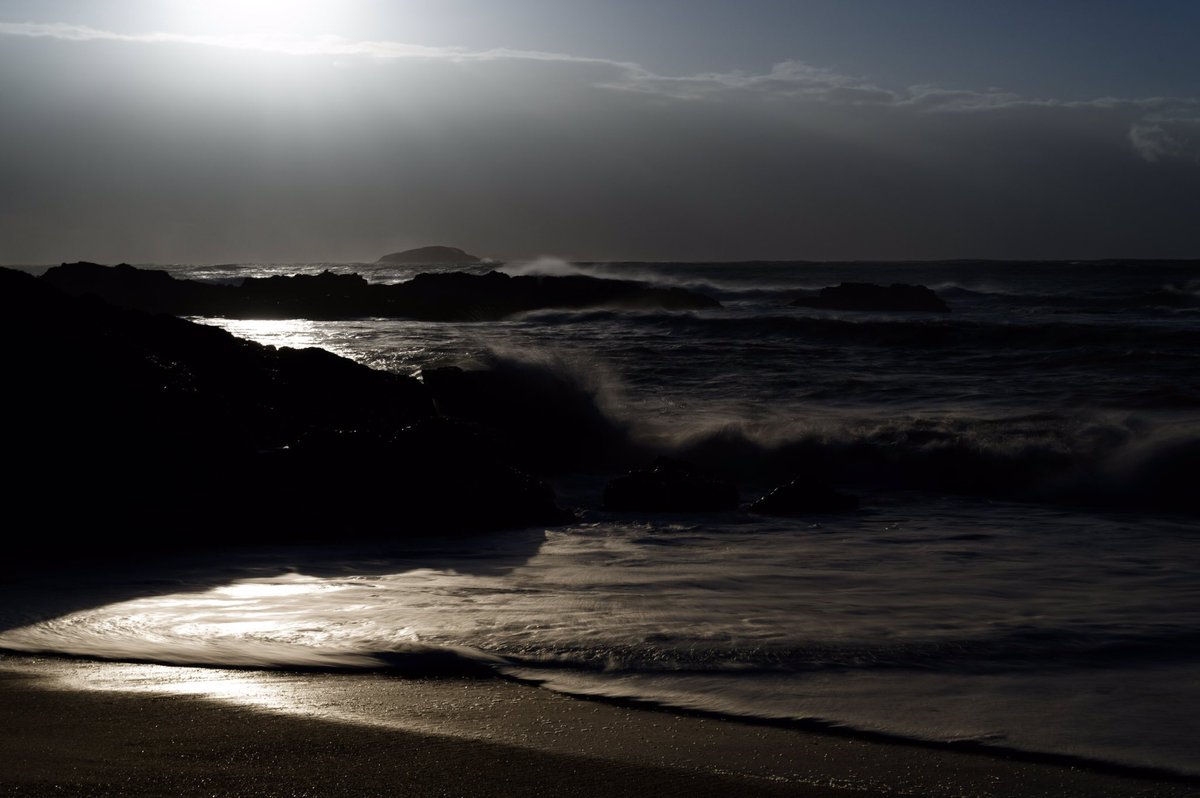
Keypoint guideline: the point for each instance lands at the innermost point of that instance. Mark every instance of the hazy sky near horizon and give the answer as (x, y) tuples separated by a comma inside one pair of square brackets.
[(234, 130)]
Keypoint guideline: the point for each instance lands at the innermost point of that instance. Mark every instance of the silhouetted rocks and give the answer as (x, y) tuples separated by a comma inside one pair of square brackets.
[(543, 414), (129, 432), (150, 290), (802, 496), (432, 476), (323, 296), (431, 255), (670, 485), (868, 296), (460, 296), (453, 296)]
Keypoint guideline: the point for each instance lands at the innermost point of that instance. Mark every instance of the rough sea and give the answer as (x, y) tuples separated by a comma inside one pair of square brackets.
[(1024, 570)]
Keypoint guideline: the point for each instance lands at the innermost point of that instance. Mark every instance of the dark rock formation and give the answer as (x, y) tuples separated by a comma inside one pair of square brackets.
[(432, 476), (802, 496), (151, 290), (468, 297), (454, 296), (303, 296), (868, 296), (544, 414), (430, 255), (670, 485), (127, 432)]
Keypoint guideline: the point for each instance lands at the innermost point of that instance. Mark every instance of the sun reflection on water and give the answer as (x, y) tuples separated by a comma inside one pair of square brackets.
[(296, 333), (288, 620)]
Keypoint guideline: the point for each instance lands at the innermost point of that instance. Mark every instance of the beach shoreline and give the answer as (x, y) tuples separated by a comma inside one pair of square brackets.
[(77, 727)]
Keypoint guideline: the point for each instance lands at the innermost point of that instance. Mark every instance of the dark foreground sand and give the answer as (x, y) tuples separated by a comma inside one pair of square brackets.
[(78, 728)]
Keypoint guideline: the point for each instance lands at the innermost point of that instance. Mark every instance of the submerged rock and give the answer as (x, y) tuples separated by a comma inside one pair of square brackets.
[(670, 485), (802, 496), (868, 296)]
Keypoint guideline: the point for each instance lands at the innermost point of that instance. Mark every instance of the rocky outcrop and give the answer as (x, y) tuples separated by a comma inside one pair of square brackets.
[(670, 485), (868, 296), (459, 296), (802, 496), (545, 416), (434, 476), (453, 296), (430, 255), (150, 290), (168, 434)]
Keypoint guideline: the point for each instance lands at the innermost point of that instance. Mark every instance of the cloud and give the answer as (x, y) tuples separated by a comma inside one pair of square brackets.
[(285, 45), (792, 80), (1166, 139), (159, 147)]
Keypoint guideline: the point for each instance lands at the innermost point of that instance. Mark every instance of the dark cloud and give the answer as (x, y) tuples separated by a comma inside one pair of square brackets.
[(185, 149)]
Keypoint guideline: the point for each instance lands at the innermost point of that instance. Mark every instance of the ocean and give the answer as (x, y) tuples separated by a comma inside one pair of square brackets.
[(1023, 571)]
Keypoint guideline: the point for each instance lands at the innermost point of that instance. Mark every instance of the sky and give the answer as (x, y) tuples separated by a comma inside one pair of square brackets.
[(220, 131)]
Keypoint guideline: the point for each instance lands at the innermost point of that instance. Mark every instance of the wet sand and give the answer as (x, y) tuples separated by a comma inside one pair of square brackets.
[(79, 728)]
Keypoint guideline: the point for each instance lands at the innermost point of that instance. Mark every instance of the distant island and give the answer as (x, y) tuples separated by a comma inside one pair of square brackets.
[(430, 255)]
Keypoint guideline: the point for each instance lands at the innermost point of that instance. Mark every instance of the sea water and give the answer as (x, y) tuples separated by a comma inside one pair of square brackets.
[(1024, 571)]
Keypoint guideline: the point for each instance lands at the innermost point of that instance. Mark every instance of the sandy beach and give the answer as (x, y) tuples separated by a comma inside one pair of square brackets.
[(85, 728)]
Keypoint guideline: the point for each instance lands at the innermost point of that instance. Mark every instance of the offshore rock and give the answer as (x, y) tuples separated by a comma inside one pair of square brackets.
[(457, 296), (802, 496), (670, 485), (302, 296), (868, 296), (452, 296)]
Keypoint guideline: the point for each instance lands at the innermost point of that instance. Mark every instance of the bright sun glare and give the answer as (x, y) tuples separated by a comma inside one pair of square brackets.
[(258, 17)]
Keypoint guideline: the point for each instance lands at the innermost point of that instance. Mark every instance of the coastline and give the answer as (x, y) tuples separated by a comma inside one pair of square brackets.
[(921, 552), (76, 727)]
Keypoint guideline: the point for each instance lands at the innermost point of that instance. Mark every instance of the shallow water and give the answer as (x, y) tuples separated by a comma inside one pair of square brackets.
[(962, 621)]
